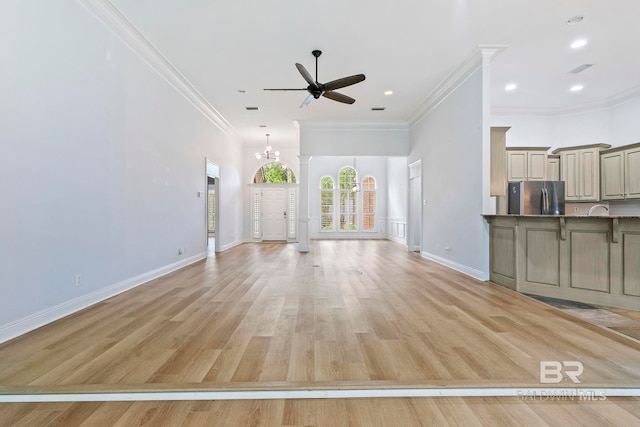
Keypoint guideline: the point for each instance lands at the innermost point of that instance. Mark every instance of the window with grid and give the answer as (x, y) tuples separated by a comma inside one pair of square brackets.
[(326, 204), (292, 214), (257, 212), (348, 200), (369, 204), (212, 210)]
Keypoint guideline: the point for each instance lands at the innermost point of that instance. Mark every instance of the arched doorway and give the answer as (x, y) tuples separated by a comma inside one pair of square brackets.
[(274, 203)]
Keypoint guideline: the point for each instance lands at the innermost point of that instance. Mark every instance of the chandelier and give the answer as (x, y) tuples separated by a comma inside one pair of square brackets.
[(268, 153)]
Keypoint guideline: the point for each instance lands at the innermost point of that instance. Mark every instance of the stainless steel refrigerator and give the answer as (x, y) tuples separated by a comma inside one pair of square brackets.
[(536, 197)]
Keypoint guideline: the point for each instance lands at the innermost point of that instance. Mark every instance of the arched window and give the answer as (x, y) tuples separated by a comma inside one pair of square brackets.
[(326, 204), (348, 201), (369, 203), (274, 173)]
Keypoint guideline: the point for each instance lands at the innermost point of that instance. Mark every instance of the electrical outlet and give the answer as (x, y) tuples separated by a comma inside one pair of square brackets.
[(78, 280), (576, 209), (447, 248), (179, 251)]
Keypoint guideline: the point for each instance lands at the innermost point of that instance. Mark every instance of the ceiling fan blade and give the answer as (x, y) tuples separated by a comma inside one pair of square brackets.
[(344, 82), (339, 97), (306, 101), (306, 75), (286, 89)]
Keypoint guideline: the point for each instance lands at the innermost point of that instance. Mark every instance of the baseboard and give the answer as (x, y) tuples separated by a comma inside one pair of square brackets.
[(231, 245), (37, 320), (348, 236), (397, 239), (476, 274)]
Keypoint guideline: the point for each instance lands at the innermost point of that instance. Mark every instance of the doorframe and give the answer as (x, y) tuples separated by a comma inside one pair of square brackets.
[(291, 188), (414, 172), (212, 170)]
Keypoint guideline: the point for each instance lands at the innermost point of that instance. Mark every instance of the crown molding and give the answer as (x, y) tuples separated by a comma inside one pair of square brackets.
[(118, 24), (607, 103), (356, 125), (457, 76)]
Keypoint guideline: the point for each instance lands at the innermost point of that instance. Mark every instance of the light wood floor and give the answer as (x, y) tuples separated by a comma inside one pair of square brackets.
[(349, 313), (444, 411)]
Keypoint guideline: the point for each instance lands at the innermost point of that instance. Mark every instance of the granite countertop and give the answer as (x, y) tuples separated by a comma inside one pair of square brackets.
[(564, 216)]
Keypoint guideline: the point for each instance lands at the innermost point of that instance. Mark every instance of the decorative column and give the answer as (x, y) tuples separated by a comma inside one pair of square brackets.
[(303, 204)]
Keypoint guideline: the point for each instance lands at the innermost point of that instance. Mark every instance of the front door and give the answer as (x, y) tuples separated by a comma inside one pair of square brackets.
[(274, 214)]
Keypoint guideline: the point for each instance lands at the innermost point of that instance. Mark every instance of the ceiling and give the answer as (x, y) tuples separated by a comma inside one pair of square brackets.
[(408, 46)]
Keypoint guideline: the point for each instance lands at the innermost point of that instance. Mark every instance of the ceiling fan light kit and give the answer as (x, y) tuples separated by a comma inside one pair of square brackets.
[(317, 89)]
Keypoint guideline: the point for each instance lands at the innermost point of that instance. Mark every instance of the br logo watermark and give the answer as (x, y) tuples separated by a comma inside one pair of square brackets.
[(553, 371)]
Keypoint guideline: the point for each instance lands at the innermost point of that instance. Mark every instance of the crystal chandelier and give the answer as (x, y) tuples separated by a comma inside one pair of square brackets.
[(268, 153)]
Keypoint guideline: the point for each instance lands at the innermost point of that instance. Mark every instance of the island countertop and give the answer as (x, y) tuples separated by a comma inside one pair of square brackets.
[(591, 259)]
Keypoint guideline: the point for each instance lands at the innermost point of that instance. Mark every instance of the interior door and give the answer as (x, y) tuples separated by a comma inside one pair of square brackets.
[(274, 214)]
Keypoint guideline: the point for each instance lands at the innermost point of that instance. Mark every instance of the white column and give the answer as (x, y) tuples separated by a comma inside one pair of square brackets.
[(488, 52), (303, 204)]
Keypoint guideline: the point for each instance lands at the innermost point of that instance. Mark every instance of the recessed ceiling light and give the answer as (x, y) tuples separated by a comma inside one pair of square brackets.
[(578, 43), (575, 19), (576, 88), (388, 92), (510, 86)]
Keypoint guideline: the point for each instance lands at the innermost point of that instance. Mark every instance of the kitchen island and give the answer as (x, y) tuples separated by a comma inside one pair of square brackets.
[(591, 259)]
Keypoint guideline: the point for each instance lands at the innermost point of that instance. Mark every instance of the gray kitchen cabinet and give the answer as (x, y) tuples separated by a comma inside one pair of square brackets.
[(621, 173), (553, 167), (527, 163), (580, 170)]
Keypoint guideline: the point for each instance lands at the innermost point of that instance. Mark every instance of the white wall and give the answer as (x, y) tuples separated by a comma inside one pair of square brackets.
[(449, 142), (526, 131), (354, 139), (365, 166), (624, 125), (100, 167)]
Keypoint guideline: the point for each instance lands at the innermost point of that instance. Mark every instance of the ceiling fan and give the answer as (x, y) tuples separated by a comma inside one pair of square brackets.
[(316, 89)]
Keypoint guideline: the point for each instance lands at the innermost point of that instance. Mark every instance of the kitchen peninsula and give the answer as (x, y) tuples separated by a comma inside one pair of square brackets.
[(591, 259)]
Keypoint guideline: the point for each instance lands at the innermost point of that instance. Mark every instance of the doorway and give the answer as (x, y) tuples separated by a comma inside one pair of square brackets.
[(274, 214), (212, 202), (414, 242)]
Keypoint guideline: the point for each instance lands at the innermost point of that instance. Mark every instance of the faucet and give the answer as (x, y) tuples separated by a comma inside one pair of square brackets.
[(597, 206)]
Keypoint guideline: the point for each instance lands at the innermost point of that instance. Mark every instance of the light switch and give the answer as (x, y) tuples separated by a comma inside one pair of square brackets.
[(199, 194), (424, 203)]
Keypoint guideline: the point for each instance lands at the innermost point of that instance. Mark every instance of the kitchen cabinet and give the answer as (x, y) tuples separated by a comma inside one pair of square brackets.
[(498, 161), (580, 170), (620, 173), (526, 163), (553, 167), (592, 259)]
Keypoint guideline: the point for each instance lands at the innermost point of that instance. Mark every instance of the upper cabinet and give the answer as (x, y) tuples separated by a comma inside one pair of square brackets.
[(553, 167), (498, 161), (580, 170), (527, 163), (621, 173)]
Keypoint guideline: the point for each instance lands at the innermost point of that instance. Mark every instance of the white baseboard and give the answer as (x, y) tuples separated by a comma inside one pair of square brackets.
[(397, 239), (37, 320), (231, 245), (476, 274)]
